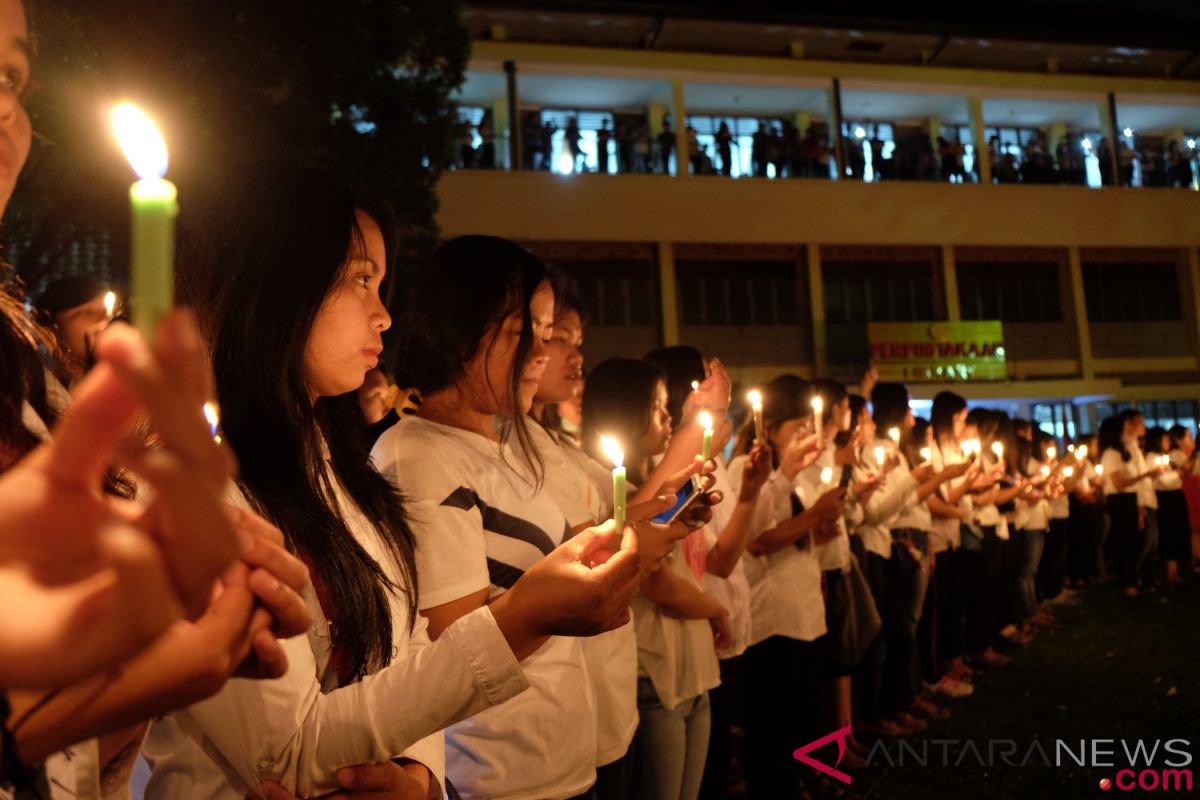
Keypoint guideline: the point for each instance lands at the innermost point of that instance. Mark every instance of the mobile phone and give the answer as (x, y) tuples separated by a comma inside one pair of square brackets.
[(687, 496), (847, 477)]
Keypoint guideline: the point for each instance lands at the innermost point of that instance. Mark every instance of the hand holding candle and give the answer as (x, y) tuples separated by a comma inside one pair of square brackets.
[(1051, 453), (926, 454), (706, 421), (818, 409), (110, 304), (756, 405), (998, 450), (880, 456), (894, 435), (827, 476), (152, 244), (617, 456)]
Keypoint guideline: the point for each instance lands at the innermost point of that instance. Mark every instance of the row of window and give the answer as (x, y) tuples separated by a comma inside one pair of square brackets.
[(772, 292)]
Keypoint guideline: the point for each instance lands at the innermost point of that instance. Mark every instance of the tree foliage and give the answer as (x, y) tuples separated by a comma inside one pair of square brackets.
[(359, 87)]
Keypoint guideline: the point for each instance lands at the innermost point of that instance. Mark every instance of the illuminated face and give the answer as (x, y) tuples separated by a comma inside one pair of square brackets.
[(15, 131), (347, 335), (489, 374), (658, 433), (78, 327), (562, 380)]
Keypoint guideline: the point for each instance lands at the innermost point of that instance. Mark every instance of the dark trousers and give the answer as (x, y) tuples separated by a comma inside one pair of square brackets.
[(983, 594), (1052, 572), (613, 780), (723, 700), (951, 574), (1124, 536), (885, 680), (779, 676)]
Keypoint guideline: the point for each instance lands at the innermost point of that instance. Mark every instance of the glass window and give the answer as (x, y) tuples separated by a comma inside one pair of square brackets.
[(737, 292), (1131, 291)]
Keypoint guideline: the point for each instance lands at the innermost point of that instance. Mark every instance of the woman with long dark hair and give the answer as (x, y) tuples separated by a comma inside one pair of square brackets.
[(473, 341), (1121, 479), (1173, 525), (285, 276)]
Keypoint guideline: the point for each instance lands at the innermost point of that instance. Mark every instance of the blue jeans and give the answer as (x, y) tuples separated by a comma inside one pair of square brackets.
[(670, 746), (1032, 543)]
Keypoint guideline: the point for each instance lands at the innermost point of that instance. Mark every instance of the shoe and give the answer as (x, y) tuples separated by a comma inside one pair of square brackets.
[(1009, 632), (949, 687), (923, 707)]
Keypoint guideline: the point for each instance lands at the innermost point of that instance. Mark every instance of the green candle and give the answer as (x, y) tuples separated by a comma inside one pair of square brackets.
[(617, 456), (154, 208)]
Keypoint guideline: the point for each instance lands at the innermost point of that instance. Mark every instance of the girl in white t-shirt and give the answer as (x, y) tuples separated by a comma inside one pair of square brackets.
[(1174, 528), (1122, 476)]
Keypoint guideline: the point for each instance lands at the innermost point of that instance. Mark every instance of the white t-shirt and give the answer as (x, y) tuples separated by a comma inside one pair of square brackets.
[(785, 587), (897, 492), (480, 522), (834, 554), (611, 657), (1172, 479), (945, 532), (1147, 497), (732, 592), (1113, 464), (1033, 515), (300, 729)]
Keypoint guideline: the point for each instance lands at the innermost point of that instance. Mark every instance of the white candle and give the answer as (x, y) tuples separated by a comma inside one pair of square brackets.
[(1052, 453), (756, 405), (1068, 472), (971, 447), (894, 435), (998, 450), (695, 386), (827, 476), (926, 454), (213, 415), (1081, 453), (1099, 469), (880, 455), (110, 303), (617, 456), (818, 408), (1046, 471)]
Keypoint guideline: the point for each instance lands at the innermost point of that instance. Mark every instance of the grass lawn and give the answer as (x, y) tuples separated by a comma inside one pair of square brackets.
[(1116, 669)]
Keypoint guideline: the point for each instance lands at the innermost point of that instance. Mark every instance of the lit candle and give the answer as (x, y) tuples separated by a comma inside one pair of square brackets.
[(153, 199), (1070, 448), (755, 398), (1052, 452), (827, 476), (213, 415), (695, 386), (110, 303), (926, 454), (1068, 472), (880, 455), (706, 420), (998, 450), (818, 408), (1046, 472), (1081, 453), (613, 450), (894, 435), (971, 447), (1099, 469)]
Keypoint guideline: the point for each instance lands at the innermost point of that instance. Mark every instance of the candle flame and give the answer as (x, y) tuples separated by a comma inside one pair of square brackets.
[(706, 420), (695, 386), (613, 450), (880, 455), (818, 405), (1099, 469), (140, 140), (971, 446), (1046, 471), (827, 475), (1068, 472), (894, 435), (755, 398), (1052, 452), (1082, 452), (926, 454), (110, 303), (213, 415), (998, 449), (1070, 448)]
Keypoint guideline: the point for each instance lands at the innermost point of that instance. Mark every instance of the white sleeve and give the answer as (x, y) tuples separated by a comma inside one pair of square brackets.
[(882, 506), (289, 731)]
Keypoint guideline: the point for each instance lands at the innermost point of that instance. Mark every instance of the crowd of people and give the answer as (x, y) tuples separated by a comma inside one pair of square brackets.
[(238, 550)]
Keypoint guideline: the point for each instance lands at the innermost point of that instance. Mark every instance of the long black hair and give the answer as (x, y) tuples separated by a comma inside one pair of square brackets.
[(946, 405), (682, 365), (22, 379), (786, 397), (1111, 436), (618, 401), (269, 250), (467, 288)]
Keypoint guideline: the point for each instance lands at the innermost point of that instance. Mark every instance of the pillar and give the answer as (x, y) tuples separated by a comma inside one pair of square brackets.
[(950, 283), (679, 118), (816, 304), (835, 126), (1194, 282), (513, 128), (983, 159), (1082, 329), (502, 133), (1109, 129), (667, 286)]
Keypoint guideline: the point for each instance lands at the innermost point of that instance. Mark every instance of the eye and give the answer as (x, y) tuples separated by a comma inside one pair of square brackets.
[(13, 79)]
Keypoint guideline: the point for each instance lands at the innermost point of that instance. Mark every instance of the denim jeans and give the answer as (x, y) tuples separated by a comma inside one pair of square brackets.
[(1032, 543), (670, 746)]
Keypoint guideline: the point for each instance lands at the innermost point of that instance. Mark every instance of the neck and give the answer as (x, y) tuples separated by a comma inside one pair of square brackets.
[(449, 407), (538, 407)]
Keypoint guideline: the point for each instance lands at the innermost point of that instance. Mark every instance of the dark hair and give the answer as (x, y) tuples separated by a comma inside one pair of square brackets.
[(916, 440), (831, 392), (682, 365), (1041, 442), (617, 401), (22, 379), (454, 306), (857, 404), (946, 405), (565, 301), (889, 405), (1112, 436), (785, 397), (1154, 438), (268, 252), (1177, 434)]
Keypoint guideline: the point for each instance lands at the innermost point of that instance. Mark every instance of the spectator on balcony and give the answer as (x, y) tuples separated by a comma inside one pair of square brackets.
[(696, 156), (810, 155), (758, 150), (468, 156), (882, 170), (791, 150), (666, 143), (603, 137), (946, 157), (855, 165), (775, 150), (624, 137), (824, 154), (546, 143), (1126, 156), (724, 141), (531, 137), (1179, 168), (487, 132), (571, 137), (1154, 165)]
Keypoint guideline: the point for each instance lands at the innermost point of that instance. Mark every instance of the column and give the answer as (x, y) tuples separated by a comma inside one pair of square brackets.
[(1079, 300), (983, 159), (1108, 126), (1194, 281), (835, 127), (669, 310), (950, 283), (501, 133), (679, 114), (816, 305), (513, 128)]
